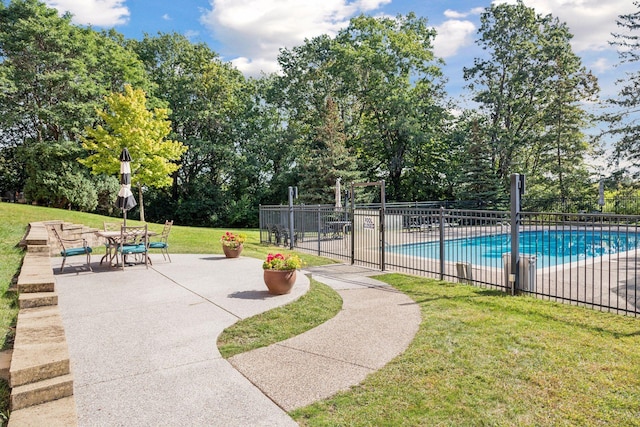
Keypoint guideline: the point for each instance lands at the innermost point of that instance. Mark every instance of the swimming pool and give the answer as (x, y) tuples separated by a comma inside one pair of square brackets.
[(554, 247)]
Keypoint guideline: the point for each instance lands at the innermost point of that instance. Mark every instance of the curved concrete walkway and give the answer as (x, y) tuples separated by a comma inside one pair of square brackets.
[(143, 349), (376, 324)]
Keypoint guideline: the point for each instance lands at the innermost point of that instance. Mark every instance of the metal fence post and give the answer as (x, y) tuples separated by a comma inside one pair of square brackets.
[(382, 226), (291, 196), (441, 229), (260, 221), (353, 224), (319, 229), (517, 189)]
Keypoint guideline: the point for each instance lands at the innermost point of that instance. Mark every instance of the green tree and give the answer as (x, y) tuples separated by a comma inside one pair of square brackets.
[(477, 180), (270, 145), (624, 122), (53, 77), (328, 160), (530, 89), (387, 86), (207, 100), (54, 178), (128, 123), (389, 67), (54, 74)]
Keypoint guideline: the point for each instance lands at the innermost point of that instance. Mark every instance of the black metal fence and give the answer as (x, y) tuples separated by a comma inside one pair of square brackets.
[(588, 259), (317, 228)]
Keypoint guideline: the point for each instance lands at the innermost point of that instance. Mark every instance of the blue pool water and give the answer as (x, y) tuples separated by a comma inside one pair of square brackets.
[(550, 247)]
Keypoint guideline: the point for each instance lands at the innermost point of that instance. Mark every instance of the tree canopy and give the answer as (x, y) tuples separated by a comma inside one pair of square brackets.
[(625, 120), (367, 104), (128, 123), (531, 89)]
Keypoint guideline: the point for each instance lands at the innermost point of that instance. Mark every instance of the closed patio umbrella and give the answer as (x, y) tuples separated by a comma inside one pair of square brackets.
[(125, 200)]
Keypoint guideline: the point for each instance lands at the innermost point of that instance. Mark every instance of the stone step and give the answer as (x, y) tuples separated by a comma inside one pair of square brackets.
[(44, 248), (36, 268), (57, 413), (36, 273), (36, 260), (37, 299), (71, 226), (37, 282), (40, 392), (40, 348), (74, 231), (37, 235), (36, 257)]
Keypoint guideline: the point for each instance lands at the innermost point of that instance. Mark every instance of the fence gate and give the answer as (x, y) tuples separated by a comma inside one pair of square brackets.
[(367, 230)]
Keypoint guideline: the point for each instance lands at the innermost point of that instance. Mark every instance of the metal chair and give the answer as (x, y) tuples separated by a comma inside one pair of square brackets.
[(134, 241), (71, 247), (163, 243)]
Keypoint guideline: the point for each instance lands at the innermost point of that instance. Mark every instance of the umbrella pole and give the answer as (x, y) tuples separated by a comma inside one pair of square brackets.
[(125, 217)]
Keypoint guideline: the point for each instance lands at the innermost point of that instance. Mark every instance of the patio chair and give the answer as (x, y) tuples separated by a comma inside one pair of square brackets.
[(163, 243), (134, 241), (282, 235), (72, 247)]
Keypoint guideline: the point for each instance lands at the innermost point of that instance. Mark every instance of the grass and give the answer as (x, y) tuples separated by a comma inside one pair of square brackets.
[(14, 219), (483, 358), (317, 306)]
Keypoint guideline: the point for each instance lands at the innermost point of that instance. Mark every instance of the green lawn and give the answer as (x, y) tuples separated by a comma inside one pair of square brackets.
[(317, 306), (480, 357)]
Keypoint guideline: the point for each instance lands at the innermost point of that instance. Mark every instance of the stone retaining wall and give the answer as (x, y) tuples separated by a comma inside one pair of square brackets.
[(39, 374)]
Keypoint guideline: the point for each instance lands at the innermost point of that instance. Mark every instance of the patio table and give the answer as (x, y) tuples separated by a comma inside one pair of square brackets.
[(113, 242)]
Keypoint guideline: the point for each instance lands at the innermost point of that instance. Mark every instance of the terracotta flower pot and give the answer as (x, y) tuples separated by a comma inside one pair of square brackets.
[(279, 282), (230, 252)]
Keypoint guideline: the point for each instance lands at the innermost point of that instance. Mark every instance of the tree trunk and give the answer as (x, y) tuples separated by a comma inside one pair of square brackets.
[(141, 203)]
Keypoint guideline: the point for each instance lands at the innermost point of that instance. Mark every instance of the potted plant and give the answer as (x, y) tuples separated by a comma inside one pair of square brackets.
[(232, 244), (280, 272)]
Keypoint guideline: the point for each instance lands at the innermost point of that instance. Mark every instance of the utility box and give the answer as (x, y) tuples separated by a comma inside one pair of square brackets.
[(527, 272), (465, 272)]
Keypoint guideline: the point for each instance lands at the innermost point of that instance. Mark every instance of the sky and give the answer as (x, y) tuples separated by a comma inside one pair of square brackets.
[(249, 33)]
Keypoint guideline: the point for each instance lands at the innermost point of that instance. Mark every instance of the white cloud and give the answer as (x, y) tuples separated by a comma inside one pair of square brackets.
[(600, 65), (367, 5), (254, 67), (257, 29), (166, 17), (191, 34), (453, 14), (452, 35), (590, 21), (100, 13)]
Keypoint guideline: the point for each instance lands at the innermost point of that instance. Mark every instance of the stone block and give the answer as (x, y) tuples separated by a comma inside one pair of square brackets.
[(37, 299), (40, 348), (57, 413), (40, 392)]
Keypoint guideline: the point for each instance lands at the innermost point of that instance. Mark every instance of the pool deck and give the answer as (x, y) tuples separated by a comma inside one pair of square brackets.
[(608, 282)]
